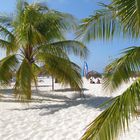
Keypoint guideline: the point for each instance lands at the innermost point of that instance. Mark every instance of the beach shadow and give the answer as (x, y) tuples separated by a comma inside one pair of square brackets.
[(47, 94), (6, 91), (43, 94), (69, 89), (6, 95), (48, 109), (56, 102), (43, 86)]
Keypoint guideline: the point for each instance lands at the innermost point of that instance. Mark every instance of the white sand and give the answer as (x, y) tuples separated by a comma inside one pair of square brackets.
[(59, 115)]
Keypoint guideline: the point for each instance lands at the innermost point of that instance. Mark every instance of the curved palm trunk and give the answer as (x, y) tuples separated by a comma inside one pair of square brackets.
[(52, 83)]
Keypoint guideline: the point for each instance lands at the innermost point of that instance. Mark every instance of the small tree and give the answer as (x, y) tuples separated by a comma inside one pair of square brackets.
[(34, 35)]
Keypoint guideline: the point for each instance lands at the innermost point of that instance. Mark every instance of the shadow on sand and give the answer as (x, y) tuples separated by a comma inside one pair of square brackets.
[(55, 102), (48, 109), (68, 89)]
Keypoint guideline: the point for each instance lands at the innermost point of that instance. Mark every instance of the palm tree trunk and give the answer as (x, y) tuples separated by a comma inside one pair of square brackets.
[(52, 83), (29, 96), (28, 56)]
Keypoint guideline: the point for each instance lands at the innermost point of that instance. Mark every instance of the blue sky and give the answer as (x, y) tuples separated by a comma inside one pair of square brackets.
[(100, 52)]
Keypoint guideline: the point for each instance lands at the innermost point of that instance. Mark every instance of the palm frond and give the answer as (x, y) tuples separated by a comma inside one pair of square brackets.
[(36, 70), (44, 50), (69, 47), (66, 21), (41, 6), (4, 44), (27, 33), (122, 69), (121, 17), (116, 117), (102, 24), (7, 67), (5, 32), (37, 26), (24, 77), (128, 12), (64, 70), (19, 10), (6, 20), (8, 40), (8, 46), (58, 23)]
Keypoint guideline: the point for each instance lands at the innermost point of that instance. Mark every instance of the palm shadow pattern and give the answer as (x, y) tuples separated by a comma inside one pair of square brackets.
[(52, 103)]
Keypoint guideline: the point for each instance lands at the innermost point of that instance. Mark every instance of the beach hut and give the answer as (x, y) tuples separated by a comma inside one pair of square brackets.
[(94, 74)]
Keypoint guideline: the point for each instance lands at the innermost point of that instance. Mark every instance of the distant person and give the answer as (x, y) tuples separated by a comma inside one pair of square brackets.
[(98, 81), (91, 81)]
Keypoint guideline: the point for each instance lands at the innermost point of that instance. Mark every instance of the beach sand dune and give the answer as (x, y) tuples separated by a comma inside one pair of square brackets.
[(57, 115)]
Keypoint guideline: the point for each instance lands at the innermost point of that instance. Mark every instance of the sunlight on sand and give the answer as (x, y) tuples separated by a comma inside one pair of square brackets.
[(58, 115)]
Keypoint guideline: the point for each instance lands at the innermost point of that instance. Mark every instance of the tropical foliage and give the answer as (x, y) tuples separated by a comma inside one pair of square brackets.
[(34, 40), (119, 18)]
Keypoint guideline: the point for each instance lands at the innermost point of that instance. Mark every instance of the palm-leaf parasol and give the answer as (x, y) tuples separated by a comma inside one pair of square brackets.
[(94, 74)]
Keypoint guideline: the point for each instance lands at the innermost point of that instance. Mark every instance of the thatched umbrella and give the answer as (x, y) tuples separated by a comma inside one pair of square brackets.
[(94, 74)]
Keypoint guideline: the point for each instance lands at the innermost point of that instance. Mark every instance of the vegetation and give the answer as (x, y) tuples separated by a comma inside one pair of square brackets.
[(34, 41), (122, 18)]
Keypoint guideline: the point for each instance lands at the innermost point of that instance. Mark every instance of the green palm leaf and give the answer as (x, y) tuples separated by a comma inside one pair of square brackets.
[(129, 14), (116, 117), (69, 46), (7, 40), (5, 20), (43, 51), (4, 44), (24, 77), (103, 24), (37, 27), (60, 23), (5, 32), (119, 17), (7, 67), (62, 69), (122, 69), (9, 46)]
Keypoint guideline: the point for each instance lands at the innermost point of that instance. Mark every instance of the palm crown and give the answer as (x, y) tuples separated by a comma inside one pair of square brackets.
[(35, 35), (121, 17)]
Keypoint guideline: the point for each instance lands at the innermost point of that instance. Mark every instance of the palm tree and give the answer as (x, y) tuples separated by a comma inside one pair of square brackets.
[(34, 41), (122, 18)]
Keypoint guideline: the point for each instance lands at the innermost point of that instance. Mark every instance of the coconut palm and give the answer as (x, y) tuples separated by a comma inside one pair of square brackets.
[(34, 40), (122, 18)]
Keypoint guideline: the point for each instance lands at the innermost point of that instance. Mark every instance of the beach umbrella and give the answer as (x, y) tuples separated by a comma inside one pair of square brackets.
[(94, 74), (85, 69)]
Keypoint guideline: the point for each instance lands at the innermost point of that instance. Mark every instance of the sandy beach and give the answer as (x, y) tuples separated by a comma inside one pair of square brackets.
[(57, 115)]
